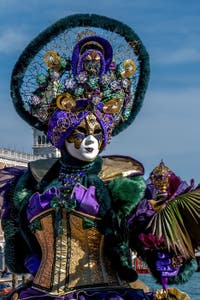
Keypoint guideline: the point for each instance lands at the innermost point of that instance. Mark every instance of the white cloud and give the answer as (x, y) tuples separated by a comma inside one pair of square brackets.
[(167, 127), (178, 56), (12, 40)]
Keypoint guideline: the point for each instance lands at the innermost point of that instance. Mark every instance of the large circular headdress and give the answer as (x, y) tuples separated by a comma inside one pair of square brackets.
[(82, 62)]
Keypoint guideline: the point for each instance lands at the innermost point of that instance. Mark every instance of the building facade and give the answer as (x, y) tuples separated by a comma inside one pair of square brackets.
[(42, 146), (10, 158)]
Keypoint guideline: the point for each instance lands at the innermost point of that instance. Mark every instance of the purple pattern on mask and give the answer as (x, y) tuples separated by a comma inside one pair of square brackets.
[(63, 123), (106, 121), (86, 199), (38, 203)]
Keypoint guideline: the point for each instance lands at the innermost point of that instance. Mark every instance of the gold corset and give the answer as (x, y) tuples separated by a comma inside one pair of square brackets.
[(73, 259)]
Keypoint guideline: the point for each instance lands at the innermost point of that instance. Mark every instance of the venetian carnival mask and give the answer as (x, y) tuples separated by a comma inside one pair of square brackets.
[(85, 141), (82, 68), (87, 151)]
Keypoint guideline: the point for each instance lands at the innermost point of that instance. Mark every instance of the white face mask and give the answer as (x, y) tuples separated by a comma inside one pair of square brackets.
[(88, 150)]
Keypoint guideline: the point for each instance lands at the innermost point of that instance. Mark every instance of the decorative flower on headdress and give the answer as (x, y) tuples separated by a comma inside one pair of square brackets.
[(82, 64)]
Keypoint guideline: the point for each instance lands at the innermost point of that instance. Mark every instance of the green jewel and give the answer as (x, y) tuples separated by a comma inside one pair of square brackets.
[(41, 78), (26, 106), (78, 91), (126, 114), (62, 62), (60, 89), (55, 202), (93, 82), (107, 93), (35, 225), (70, 204), (87, 223), (120, 94), (121, 67)]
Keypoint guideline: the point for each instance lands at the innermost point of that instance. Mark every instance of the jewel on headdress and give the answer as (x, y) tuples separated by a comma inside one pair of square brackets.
[(115, 85), (112, 106), (41, 79), (65, 102), (86, 52), (125, 83), (52, 60), (70, 83), (92, 67), (82, 77), (129, 68), (96, 99), (35, 100)]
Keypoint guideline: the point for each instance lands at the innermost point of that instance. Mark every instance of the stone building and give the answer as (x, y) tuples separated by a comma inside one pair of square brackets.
[(42, 146), (10, 158)]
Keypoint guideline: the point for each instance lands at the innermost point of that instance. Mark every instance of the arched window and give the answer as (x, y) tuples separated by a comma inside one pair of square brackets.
[(39, 140), (43, 139)]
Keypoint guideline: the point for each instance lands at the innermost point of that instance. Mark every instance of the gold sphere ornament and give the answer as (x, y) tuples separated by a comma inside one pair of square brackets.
[(52, 60), (65, 102), (113, 106), (129, 68)]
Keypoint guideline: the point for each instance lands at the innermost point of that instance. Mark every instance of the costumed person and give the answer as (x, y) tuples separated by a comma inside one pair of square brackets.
[(65, 220), (72, 222), (164, 230)]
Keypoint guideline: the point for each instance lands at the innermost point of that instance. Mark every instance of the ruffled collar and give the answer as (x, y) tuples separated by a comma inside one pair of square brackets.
[(70, 164)]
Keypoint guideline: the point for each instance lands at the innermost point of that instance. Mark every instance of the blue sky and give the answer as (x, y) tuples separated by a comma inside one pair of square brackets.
[(168, 125)]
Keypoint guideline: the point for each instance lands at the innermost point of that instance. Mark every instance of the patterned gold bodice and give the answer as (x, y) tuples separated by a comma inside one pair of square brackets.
[(73, 259)]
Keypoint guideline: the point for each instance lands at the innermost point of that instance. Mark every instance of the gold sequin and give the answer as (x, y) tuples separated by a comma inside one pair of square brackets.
[(45, 238), (73, 259)]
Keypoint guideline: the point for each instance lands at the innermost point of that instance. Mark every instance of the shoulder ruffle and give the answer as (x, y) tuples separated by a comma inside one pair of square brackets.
[(120, 166)]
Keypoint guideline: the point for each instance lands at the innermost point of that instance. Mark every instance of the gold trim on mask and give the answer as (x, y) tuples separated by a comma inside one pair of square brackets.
[(88, 126), (91, 123)]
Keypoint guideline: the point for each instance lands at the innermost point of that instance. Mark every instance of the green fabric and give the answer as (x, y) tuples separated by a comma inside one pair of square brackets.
[(185, 272), (21, 192), (16, 248), (126, 193), (114, 225)]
